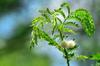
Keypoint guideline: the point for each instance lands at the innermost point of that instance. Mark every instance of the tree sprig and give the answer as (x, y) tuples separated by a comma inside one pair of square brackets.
[(60, 27)]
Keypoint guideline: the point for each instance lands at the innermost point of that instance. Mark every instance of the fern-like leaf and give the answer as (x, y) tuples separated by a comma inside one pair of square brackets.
[(86, 20), (46, 37)]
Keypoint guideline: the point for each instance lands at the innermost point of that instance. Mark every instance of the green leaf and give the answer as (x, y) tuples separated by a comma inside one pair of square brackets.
[(69, 30), (71, 24), (91, 57), (59, 20), (82, 57), (95, 57), (46, 14), (86, 20), (60, 11), (48, 10), (61, 34), (38, 19), (67, 6), (34, 38), (46, 17), (54, 25), (32, 41)]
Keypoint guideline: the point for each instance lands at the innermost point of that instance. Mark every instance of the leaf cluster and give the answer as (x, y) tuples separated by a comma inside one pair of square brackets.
[(59, 26)]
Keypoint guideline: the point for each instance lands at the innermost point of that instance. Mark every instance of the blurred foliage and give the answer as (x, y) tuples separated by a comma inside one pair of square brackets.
[(95, 57), (24, 58), (17, 53), (18, 40), (9, 5)]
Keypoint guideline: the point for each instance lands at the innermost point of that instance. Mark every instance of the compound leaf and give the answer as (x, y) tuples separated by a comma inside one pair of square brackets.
[(86, 20)]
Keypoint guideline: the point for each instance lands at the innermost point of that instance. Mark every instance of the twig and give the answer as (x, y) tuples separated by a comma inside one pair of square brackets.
[(66, 56)]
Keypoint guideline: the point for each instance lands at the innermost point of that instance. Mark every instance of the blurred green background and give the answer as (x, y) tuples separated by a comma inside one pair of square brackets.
[(15, 34)]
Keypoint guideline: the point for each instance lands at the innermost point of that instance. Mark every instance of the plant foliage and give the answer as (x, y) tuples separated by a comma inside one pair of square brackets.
[(59, 27)]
